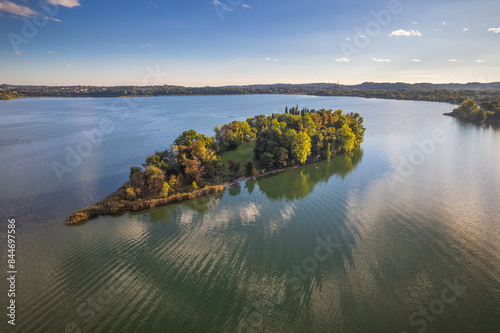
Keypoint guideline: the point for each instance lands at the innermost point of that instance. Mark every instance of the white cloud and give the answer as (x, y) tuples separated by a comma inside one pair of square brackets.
[(267, 59), (347, 38), (342, 60), (65, 3), (479, 61), (414, 22), (465, 29), (10, 7), (405, 33), (51, 19), (225, 7), (443, 23), (415, 60), (494, 30), (454, 60), (152, 4), (246, 6), (380, 60)]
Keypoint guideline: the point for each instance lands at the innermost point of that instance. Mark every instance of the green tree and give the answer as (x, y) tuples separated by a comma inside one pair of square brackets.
[(154, 179), (234, 167)]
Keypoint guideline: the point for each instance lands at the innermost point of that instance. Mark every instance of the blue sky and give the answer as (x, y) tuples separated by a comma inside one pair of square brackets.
[(222, 42)]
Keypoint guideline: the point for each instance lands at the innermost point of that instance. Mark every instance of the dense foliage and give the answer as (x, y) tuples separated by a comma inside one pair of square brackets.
[(488, 111), (6, 95), (281, 140), (291, 138)]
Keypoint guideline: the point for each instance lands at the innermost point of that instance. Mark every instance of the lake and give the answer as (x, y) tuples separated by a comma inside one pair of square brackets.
[(401, 235)]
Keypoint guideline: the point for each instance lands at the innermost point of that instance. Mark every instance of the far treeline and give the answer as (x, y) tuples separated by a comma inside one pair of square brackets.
[(421, 92), (193, 165), (486, 111)]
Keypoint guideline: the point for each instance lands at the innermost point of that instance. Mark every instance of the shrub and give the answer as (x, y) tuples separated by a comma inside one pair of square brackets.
[(130, 194)]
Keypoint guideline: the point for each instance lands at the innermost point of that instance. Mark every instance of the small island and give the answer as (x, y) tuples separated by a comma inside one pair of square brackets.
[(485, 112), (198, 165)]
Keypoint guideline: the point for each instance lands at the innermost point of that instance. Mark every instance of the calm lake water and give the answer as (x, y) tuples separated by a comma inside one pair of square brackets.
[(401, 235)]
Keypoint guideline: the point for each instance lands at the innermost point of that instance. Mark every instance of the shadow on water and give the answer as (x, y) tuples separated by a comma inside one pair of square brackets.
[(299, 183)]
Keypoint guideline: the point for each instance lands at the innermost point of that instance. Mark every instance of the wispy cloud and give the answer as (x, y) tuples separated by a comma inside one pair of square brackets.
[(342, 60), (152, 4), (246, 6), (405, 33), (267, 59), (415, 60), (454, 60), (50, 52), (465, 29), (479, 61), (414, 22), (51, 18), (380, 60), (65, 3), (438, 30), (10, 7), (494, 30), (223, 6)]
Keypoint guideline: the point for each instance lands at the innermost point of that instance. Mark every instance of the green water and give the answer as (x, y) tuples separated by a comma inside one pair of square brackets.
[(365, 242)]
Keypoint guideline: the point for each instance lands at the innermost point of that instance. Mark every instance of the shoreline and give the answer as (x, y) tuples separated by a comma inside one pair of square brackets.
[(112, 204), (459, 116), (286, 94)]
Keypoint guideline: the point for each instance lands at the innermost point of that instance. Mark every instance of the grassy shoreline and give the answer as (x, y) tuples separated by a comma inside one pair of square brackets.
[(113, 204)]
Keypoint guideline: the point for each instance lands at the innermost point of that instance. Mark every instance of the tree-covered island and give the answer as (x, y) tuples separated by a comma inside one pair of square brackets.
[(198, 165), (485, 112)]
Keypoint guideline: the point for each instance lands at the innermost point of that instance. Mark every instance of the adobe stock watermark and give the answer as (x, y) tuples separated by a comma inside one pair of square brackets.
[(255, 315), (156, 74), (93, 138), (89, 310), (31, 25), (221, 8), (76, 154), (436, 307), (416, 158), (363, 37)]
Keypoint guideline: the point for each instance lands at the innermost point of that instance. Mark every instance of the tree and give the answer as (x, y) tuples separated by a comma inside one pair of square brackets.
[(136, 177), (467, 108), (234, 167), (299, 145), (250, 169), (188, 137), (154, 179), (193, 171), (346, 140)]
